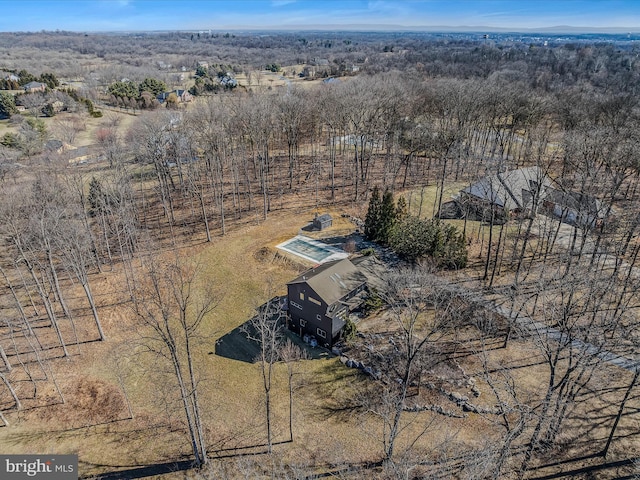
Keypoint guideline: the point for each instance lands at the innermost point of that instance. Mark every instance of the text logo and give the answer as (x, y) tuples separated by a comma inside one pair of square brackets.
[(45, 467)]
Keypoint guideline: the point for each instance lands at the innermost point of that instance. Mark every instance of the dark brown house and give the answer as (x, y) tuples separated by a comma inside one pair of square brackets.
[(321, 298)]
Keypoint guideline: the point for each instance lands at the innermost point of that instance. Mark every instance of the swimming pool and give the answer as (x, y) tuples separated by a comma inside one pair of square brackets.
[(311, 250)]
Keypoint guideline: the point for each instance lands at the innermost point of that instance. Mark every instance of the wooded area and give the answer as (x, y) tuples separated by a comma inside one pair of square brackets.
[(122, 275)]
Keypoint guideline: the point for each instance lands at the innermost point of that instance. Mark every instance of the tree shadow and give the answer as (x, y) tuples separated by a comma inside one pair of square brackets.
[(144, 471), (157, 469), (236, 345), (590, 469)]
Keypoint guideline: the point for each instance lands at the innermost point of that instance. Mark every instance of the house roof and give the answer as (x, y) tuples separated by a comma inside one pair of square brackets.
[(325, 217), (332, 280), (53, 144), (580, 202), (512, 189), (161, 97), (33, 85)]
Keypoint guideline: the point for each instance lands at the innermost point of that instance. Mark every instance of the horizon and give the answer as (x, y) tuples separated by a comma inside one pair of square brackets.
[(101, 16)]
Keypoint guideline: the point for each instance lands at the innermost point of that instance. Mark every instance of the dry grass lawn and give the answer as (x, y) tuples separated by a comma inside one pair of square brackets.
[(231, 389)]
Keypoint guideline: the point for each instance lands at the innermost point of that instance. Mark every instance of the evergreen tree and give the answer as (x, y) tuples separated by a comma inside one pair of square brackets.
[(454, 254), (10, 140), (126, 89), (50, 80), (152, 85), (387, 217), (401, 209), (96, 197), (25, 77), (372, 220), (413, 238), (202, 71), (7, 105), (48, 110)]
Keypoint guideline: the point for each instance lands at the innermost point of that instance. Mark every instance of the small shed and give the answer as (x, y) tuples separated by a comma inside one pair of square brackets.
[(322, 221)]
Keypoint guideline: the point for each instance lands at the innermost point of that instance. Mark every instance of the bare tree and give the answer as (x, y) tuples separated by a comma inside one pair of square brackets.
[(74, 243), (67, 128), (419, 306), (17, 228), (155, 144), (170, 302), (265, 328), (211, 125), (111, 144), (574, 335), (293, 112), (255, 118), (513, 415)]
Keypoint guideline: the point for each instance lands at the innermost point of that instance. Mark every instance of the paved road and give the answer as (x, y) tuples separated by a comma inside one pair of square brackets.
[(550, 332)]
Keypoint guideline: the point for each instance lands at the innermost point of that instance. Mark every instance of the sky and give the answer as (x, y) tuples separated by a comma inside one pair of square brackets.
[(148, 15)]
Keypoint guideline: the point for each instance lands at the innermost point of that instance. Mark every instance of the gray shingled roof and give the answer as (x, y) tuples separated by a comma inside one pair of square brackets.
[(580, 202), (510, 190), (332, 280), (33, 85)]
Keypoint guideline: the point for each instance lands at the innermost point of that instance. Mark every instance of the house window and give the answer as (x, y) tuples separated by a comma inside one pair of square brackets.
[(301, 295), (294, 304), (313, 300), (321, 333), (303, 322)]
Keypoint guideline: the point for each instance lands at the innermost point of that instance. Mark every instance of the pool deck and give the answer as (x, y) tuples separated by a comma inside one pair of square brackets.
[(332, 252)]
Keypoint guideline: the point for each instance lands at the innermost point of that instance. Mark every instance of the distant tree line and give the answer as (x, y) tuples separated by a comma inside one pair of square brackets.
[(608, 63)]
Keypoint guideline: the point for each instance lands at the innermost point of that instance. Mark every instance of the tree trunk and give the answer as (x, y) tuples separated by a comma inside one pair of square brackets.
[(290, 374), (486, 263), (184, 395), (3, 355), (11, 391), (194, 395), (17, 300), (204, 216), (87, 291), (47, 303)]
